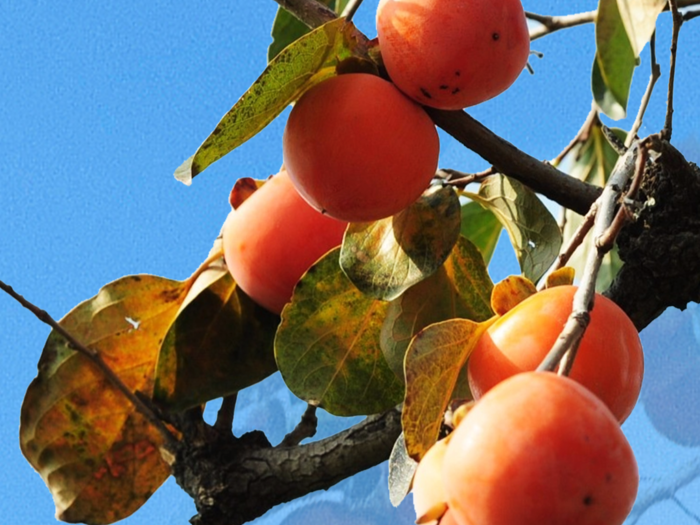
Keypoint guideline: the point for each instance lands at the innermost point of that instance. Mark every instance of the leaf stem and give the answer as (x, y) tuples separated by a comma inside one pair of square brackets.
[(351, 9), (94, 357)]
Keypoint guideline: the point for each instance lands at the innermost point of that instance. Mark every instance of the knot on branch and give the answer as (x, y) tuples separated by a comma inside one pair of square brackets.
[(661, 249)]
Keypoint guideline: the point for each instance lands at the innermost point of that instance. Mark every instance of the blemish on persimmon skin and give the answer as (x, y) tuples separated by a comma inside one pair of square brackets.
[(495, 37), (458, 73), (455, 91), (588, 500), (426, 93), (444, 86)]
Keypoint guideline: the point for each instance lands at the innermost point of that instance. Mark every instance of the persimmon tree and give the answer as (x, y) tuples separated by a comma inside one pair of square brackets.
[(383, 324)]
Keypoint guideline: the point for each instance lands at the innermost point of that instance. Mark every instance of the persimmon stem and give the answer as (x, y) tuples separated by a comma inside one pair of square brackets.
[(96, 359)]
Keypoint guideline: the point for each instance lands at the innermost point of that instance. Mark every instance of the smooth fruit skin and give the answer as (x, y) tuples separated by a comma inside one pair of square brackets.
[(451, 54), (359, 150), (273, 238), (539, 448), (428, 486), (609, 362)]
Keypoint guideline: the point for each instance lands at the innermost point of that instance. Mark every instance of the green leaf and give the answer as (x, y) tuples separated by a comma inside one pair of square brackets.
[(386, 257), (614, 63), (461, 288), (287, 28), (97, 454), (591, 161), (303, 64), (481, 227), (220, 343), (639, 18), (533, 231), (327, 345), (434, 361)]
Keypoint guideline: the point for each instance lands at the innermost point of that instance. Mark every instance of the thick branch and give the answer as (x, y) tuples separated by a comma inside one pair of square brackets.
[(233, 481)]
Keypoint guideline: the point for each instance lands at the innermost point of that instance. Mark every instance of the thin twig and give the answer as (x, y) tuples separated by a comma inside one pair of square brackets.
[(95, 358), (305, 429), (550, 24), (351, 9), (690, 15), (655, 74), (581, 136), (677, 23), (224, 417), (585, 294), (461, 179)]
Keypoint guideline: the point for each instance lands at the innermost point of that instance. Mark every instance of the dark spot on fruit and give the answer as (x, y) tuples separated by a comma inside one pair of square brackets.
[(608, 477), (588, 500), (457, 73), (426, 93), (444, 86), (455, 91), (495, 36)]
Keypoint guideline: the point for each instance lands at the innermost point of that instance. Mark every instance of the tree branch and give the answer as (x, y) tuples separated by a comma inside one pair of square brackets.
[(550, 24)]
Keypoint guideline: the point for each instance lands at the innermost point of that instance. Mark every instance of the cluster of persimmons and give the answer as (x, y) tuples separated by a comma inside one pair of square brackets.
[(536, 447)]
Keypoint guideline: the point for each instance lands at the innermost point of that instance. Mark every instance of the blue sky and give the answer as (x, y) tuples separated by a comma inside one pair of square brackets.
[(99, 103)]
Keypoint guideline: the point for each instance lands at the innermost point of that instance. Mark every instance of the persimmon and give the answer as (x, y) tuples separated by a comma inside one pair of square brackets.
[(359, 150), (540, 448), (609, 362), (429, 489), (272, 238), (450, 54)]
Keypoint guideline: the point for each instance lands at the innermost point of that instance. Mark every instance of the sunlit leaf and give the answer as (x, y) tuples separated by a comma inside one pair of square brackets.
[(510, 292), (592, 161), (561, 277), (327, 346), (386, 257), (533, 231), (461, 288), (306, 62), (401, 470), (97, 454), (287, 28), (614, 63), (434, 361), (481, 227), (220, 343), (639, 18)]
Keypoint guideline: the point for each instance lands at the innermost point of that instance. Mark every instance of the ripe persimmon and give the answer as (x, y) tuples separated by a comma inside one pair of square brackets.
[(358, 149), (429, 489), (609, 362), (539, 448), (450, 54), (272, 238)]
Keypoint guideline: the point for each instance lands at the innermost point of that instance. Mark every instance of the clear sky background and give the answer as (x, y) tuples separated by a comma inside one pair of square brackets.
[(100, 102)]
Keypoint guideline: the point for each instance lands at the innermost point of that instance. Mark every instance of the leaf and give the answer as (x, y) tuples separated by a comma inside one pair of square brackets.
[(533, 231), (510, 292), (220, 343), (481, 227), (461, 288), (639, 18), (306, 62), (434, 361), (561, 277), (591, 161), (386, 257), (242, 189), (401, 470), (287, 28), (97, 454), (615, 61), (327, 345)]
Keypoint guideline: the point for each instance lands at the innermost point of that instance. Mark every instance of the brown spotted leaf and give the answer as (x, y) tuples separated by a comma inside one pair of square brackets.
[(327, 345), (303, 64), (461, 288), (434, 362), (97, 454), (220, 343), (386, 257), (510, 292)]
